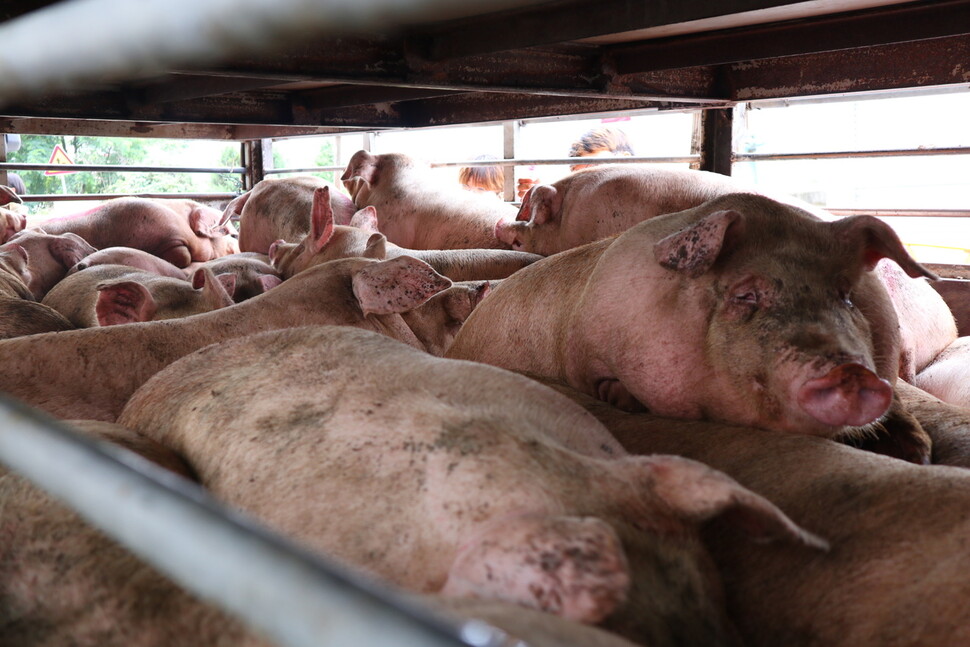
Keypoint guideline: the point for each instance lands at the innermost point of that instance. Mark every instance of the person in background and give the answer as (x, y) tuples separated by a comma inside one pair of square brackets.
[(484, 179), (16, 183), (602, 141)]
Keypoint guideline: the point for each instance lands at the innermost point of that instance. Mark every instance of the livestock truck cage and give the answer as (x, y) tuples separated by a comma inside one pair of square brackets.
[(361, 72)]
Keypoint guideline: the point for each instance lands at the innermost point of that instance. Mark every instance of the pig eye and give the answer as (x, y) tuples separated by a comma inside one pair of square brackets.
[(746, 298), (846, 298)]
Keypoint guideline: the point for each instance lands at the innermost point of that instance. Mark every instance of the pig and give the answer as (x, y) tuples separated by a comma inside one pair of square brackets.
[(956, 294), (49, 257), (743, 310), (948, 376), (279, 208), (484, 484), (252, 271), (62, 582), (926, 325), (605, 200), (14, 272), (106, 295), (90, 373), (179, 231), (11, 221), (896, 571), (948, 425), (131, 257), (20, 317), (327, 240), (416, 211)]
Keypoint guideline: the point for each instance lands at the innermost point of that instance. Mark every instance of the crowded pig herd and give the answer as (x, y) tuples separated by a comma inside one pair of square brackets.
[(649, 407)]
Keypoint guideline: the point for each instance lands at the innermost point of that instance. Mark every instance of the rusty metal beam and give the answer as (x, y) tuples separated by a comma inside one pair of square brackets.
[(344, 96), (929, 63), (567, 20), (97, 128), (893, 24), (716, 141)]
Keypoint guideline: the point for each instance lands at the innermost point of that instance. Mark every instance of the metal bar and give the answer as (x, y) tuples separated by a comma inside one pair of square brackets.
[(716, 140), (684, 159), (902, 213), (65, 197), (161, 35), (297, 598), (118, 168), (902, 152)]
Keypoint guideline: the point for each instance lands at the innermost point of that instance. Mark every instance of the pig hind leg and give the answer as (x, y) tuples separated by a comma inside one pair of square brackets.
[(571, 566)]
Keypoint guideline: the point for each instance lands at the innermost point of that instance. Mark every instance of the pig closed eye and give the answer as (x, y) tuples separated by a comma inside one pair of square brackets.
[(746, 298)]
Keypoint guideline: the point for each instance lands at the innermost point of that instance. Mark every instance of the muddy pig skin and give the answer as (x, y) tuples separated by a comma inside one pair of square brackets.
[(468, 480), (603, 201), (742, 310), (107, 295), (180, 231), (416, 211), (14, 272), (896, 571), (131, 257), (49, 257), (327, 241), (90, 373), (64, 583), (279, 208), (20, 317)]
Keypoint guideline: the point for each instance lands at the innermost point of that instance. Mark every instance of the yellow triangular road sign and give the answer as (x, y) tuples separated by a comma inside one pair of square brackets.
[(58, 156)]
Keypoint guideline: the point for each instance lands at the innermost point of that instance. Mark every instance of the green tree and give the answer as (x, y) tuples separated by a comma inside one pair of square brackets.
[(326, 157)]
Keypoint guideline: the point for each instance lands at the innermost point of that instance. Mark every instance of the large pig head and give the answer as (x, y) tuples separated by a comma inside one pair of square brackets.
[(326, 240), (540, 212), (50, 257), (780, 322), (215, 234), (363, 171)]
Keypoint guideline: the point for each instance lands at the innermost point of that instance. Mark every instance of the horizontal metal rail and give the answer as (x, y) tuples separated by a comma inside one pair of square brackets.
[(901, 152), (66, 197), (119, 168), (902, 213), (683, 159), (296, 598)]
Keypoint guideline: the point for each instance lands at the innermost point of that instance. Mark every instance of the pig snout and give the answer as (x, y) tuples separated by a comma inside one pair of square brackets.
[(506, 232), (848, 395)]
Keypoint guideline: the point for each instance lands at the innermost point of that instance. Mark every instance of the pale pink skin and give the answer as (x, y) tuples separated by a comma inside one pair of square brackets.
[(252, 271), (71, 585), (480, 483), (748, 342), (603, 201), (131, 257), (416, 211), (179, 231), (926, 325), (50, 256), (113, 294), (14, 272), (907, 553), (948, 375), (90, 373), (328, 240), (279, 208)]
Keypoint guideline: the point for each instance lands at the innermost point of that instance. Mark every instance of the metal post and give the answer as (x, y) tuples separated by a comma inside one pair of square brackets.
[(3, 158), (716, 140), (294, 597), (510, 135)]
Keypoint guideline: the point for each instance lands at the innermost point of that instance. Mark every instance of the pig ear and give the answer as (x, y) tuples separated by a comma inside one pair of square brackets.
[(397, 285), (321, 219), (234, 208), (68, 249), (8, 195), (376, 247), (123, 302), (698, 493), (362, 165), (544, 204), (269, 281), (197, 223), (366, 219), (216, 290), (693, 250), (877, 240)]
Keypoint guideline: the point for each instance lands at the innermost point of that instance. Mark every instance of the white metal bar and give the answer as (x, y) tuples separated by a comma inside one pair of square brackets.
[(899, 152), (295, 598), (116, 40), (119, 168)]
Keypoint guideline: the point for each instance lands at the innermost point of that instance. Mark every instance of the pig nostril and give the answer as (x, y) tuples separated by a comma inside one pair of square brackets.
[(848, 395)]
